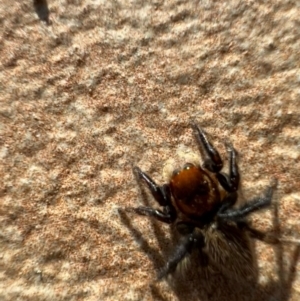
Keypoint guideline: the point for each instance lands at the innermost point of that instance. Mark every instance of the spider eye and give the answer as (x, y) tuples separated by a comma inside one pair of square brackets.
[(187, 166)]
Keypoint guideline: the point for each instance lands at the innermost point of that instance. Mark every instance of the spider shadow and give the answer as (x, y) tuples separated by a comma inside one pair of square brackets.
[(163, 242), (281, 288), (42, 10), (191, 285)]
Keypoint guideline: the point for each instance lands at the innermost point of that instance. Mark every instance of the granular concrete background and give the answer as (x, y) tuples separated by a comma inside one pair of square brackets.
[(90, 88)]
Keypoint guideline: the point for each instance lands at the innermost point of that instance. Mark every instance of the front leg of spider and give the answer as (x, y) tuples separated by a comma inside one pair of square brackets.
[(213, 162), (212, 159), (230, 182), (162, 195), (189, 242)]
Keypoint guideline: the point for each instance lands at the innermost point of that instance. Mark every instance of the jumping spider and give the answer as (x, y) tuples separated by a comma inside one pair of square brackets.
[(199, 203)]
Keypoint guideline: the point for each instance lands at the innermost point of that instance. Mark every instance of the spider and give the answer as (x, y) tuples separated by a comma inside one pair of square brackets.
[(199, 202)]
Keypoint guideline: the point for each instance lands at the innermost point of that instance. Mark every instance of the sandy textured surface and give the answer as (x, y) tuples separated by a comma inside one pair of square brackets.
[(99, 86)]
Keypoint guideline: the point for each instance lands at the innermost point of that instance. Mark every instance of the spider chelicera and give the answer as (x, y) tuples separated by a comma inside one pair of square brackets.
[(199, 202)]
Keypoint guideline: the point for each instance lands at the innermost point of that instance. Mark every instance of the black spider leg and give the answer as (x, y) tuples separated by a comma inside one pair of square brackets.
[(162, 195), (213, 162), (193, 240), (239, 214), (230, 182), (212, 159)]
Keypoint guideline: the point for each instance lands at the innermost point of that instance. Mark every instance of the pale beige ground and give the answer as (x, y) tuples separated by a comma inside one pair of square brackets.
[(104, 85)]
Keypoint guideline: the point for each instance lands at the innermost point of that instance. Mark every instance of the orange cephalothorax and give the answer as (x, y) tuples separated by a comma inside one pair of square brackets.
[(194, 191)]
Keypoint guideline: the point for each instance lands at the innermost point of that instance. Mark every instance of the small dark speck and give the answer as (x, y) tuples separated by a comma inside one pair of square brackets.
[(42, 10)]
